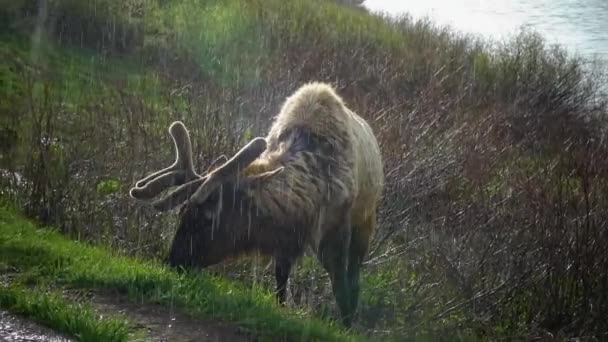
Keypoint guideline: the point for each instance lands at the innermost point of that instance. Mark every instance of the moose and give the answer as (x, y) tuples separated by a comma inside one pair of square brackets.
[(313, 183)]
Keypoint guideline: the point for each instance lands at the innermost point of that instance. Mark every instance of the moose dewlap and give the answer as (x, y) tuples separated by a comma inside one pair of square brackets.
[(314, 181)]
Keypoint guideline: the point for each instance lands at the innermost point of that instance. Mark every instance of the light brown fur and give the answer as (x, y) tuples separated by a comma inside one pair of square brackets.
[(358, 176), (329, 189)]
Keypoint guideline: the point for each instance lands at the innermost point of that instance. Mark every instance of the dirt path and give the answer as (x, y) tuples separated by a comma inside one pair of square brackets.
[(17, 329), (158, 323), (14, 328), (161, 323)]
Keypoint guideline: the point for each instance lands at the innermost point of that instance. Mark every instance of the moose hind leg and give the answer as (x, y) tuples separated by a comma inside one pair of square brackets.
[(333, 254), (358, 250), (282, 269)]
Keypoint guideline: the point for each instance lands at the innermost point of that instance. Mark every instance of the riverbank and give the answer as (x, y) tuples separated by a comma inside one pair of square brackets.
[(579, 27)]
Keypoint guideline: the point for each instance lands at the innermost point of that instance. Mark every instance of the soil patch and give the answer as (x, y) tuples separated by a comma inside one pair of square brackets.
[(14, 328), (160, 323)]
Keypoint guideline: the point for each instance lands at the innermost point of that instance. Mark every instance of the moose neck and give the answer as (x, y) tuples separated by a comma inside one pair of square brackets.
[(250, 225)]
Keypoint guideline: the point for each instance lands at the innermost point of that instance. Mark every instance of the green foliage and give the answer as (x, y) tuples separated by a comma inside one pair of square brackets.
[(221, 36), (52, 310), (45, 256), (103, 25), (108, 186)]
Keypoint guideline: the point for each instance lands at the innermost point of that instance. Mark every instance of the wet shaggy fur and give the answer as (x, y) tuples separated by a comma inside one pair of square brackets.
[(331, 158), (328, 193)]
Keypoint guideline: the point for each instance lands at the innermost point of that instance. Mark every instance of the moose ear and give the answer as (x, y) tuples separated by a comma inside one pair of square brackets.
[(257, 179)]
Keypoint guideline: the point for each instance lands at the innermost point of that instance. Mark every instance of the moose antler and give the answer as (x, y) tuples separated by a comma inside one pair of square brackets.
[(181, 173), (199, 190)]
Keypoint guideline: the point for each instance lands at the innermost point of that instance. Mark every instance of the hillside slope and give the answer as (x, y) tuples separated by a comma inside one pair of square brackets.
[(71, 271), (495, 152)]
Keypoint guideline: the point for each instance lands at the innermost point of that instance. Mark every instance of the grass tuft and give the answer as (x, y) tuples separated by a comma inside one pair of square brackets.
[(55, 312)]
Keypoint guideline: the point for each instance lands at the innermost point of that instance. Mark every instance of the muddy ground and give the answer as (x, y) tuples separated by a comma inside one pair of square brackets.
[(158, 323), (161, 323), (14, 328)]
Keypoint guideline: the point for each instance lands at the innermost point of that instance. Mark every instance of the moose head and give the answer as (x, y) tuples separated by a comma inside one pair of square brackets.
[(213, 206)]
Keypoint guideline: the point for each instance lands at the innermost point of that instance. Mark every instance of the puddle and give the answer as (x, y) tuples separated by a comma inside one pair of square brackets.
[(16, 329)]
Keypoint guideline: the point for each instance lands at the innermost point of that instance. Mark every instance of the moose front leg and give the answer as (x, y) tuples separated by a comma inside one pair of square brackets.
[(282, 269)]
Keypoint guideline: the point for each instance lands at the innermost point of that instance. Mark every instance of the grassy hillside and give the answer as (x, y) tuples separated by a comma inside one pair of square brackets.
[(44, 258), (495, 152)]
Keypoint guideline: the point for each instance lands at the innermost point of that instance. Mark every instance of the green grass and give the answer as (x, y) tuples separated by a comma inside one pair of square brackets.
[(53, 311), (71, 85), (78, 76), (233, 40), (44, 256)]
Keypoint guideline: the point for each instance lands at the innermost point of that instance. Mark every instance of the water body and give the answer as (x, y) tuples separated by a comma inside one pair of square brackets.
[(579, 25)]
